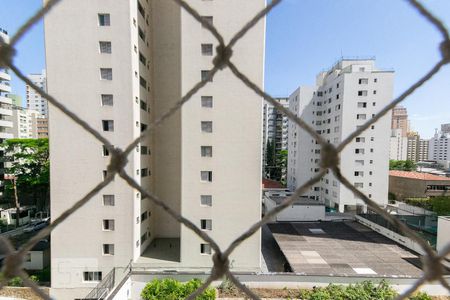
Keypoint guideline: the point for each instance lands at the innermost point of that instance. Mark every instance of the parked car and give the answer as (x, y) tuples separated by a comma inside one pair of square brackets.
[(35, 227)]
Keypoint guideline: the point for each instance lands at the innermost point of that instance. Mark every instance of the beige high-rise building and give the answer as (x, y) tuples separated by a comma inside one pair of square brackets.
[(119, 65), (412, 152), (400, 119), (25, 123)]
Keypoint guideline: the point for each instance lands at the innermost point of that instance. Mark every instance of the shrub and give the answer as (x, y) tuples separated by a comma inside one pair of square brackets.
[(170, 289), (421, 296), (16, 281)]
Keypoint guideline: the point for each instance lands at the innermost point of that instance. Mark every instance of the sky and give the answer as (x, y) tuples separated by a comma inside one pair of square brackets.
[(305, 37)]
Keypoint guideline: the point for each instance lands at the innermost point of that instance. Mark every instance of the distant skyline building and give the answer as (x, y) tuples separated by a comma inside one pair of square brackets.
[(439, 148), (424, 146), (25, 123), (275, 128), (16, 100), (445, 128), (400, 119), (343, 99), (412, 152), (34, 100)]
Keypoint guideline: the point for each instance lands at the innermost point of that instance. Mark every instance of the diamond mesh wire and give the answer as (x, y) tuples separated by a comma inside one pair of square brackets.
[(432, 260)]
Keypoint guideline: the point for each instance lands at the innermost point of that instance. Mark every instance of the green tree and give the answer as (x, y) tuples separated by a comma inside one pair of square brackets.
[(281, 163), (270, 160), (29, 163), (402, 165)]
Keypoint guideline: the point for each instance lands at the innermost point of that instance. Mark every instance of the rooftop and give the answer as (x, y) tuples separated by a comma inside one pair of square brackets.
[(271, 184), (342, 249), (417, 175)]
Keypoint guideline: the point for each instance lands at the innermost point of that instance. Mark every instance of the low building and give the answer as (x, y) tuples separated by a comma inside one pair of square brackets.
[(405, 184), (9, 215), (302, 209), (38, 258)]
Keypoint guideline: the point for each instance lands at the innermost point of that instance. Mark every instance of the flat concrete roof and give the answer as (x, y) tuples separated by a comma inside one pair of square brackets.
[(342, 249)]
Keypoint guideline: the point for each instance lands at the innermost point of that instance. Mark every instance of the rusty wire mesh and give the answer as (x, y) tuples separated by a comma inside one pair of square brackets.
[(432, 261)]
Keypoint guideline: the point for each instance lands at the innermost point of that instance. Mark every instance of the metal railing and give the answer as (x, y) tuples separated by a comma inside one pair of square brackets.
[(432, 260)]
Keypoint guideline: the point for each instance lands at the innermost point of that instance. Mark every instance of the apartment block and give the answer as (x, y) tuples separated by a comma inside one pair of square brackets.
[(424, 146), (344, 98), (439, 149), (412, 152), (398, 145), (34, 100), (275, 127), (5, 107), (25, 123), (127, 63)]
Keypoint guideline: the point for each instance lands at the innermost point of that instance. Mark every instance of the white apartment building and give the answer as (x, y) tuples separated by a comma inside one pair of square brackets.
[(5, 107), (34, 100), (424, 146), (275, 126), (25, 123), (439, 149), (120, 65), (343, 99), (398, 145)]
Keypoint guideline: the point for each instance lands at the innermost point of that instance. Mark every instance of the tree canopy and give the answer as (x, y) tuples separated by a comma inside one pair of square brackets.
[(402, 165)]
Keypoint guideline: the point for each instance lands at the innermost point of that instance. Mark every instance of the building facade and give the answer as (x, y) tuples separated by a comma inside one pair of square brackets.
[(405, 184), (5, 108), (398, 145), (424, 146), (25, 123), (400, 119), (137, 59), (275, 129), (344, 98), (439, 149), (412, 152), (34, 100)]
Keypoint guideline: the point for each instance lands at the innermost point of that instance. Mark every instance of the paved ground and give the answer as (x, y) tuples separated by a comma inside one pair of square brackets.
[(343, 249), (273, 258)]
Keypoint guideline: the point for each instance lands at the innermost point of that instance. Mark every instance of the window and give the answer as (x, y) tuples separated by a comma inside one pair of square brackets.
[(359, 185), (144, 216), (206, 151), (106, 73), (207, 49), (205, 249), (143, 105), (207, 101), (144, 172), (144, 150), (105, 151), (375, 92), (143, 127), (107, 100), (92, 276), (143, 238), (141, 9), (142, 58), (206, 126), (206, 200), (108, 200), (361, 116), (359, 173), (360, 140), (363, 81), (105, 47), (141, 33), (28, 257), (104, 20), (207, 19), (108, 249), (359, 151), (206, 224), (362, 93), (362, 104), (205, 75), (108, 225), (108, 125), (206, 176), (142, 82)]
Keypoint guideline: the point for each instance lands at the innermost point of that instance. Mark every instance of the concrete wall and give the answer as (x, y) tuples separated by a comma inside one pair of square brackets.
[(443, 233), (297, 213), (39, 260), (414, 188), (405, 241)]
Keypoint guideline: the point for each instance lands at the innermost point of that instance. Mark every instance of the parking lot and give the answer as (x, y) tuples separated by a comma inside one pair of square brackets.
[(342, 249)]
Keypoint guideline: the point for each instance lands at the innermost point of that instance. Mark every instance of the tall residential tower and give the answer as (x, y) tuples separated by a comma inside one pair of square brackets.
[(344, 98), (120, 65)]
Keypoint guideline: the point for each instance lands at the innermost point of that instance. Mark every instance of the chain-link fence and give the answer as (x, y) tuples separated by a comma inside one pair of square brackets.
[(432, 260)]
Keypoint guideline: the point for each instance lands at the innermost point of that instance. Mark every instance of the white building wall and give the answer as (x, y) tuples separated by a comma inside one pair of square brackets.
[(173, 44), (336, 110), (439, 147), (25, 123), (398, 145)]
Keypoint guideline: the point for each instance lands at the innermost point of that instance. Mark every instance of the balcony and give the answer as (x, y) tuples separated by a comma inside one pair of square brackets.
[(6, 123), (4, 87), (4, 75), (6, 135), (5, 100), (4, 110)]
